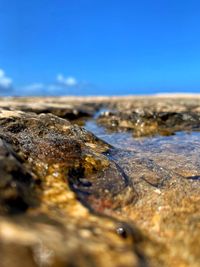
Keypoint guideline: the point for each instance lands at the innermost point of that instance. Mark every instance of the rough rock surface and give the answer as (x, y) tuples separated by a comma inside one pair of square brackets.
[(123, 189)]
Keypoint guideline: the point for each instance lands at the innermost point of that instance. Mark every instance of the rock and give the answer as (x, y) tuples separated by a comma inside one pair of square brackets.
[(55, 147), (125, 195), (148, 123), (16, 183), (68, 111), (43, 241)]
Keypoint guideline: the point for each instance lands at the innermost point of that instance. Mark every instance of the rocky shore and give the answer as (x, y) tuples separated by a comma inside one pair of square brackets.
[(95, 182)]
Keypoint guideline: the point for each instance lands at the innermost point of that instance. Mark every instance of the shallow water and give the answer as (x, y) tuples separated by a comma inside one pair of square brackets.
[(165, 156), (181, 141)]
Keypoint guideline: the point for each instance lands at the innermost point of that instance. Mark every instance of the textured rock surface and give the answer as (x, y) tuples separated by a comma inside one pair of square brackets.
[(125, 195)]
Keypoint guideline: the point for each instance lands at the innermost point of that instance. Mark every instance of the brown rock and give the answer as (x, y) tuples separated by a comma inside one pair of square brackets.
[(129, 198)]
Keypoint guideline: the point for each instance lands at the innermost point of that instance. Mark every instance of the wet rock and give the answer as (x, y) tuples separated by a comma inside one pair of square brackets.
[(151, 115), (47, 141), (70, 165), (129, 197), (148, 123), (16, 184)]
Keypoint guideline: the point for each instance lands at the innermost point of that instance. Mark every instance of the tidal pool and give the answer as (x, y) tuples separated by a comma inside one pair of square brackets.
[(179, 152)]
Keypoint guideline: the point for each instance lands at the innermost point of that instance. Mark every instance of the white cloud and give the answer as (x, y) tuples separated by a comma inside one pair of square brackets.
[(66, 81), (34, 86), (61, 86), (5, 82), (38, 89)]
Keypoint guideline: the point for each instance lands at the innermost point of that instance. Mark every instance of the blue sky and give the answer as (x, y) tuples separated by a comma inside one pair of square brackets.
[(99, 46)]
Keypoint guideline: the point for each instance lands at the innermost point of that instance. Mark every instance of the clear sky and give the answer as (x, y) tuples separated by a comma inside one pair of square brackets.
[(99, 46)]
